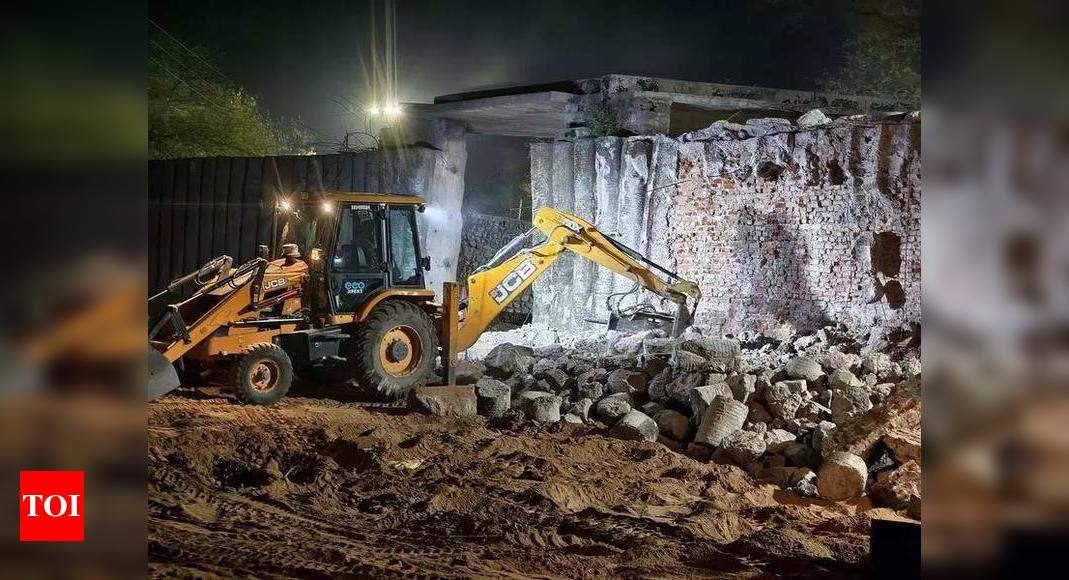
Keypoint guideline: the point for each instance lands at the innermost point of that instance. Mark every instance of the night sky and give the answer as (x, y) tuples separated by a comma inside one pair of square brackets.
[(303, 58)]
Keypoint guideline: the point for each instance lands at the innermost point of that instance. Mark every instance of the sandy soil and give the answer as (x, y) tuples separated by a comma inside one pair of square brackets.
[(317, 487)]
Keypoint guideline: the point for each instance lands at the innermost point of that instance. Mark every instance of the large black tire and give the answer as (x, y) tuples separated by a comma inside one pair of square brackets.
[(262, 375), (394, 349)]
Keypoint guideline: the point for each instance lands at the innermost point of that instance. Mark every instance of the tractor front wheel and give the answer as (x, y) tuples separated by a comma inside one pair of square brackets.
[(394, 348), (262, 374)]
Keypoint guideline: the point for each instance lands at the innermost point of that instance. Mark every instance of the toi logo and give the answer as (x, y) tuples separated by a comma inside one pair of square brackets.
[(51, 506)]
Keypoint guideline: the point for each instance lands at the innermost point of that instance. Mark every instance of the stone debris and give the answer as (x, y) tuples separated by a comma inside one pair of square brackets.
[(635, 425), (744, 447), (673, 424), (539, 406), (493, 396), (813, 118), (451, 402), (822, 414), (612, 408), (842, 477), (804, 368), (723, 417)]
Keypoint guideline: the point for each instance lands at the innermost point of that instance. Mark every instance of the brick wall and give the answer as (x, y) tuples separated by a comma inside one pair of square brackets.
[(778, 225)]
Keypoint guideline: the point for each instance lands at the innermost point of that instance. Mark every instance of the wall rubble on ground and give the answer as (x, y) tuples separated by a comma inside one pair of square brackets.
[(482, 237), (777, 224)]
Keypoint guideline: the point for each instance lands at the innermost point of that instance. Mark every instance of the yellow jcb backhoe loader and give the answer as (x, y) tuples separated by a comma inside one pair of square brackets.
[(359, 298)]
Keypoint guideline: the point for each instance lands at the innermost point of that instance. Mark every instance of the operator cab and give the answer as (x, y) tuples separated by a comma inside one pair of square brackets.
[(360, 245)]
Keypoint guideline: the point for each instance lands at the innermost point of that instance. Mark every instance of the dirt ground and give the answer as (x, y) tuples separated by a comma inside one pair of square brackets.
[(315, 487)]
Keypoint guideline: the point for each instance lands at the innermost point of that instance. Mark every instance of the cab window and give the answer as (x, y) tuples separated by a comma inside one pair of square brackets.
[(359, 247), (404, 261)]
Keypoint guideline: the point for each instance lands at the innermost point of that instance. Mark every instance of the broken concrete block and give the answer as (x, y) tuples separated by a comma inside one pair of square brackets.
[(804, 482), (848, 403), (776, 440), (493, 397), (767, 126), (843, 379), (539, 406), (625, 381), (468, 372), (594, 375), (506, 360), (672, 424), (635, 426), (842, 477), (803, 367), (592, 391), (700, 397), (688, 361), (718, 131), (572, 418), (783, 400), (542, 365), (743, 447), (905, 445), (451, 402), (838, 360), (581, 408), (813, 411), (823, 430), (813, 118), (899, 488), (724, 416), (613, 407), (722, 353), (656, 389), (558, 379), (679, 389), (743, 386), (876, 362)]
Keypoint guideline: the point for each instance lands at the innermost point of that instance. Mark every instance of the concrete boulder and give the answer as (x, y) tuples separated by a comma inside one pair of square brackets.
[(844, 379), (539, 406), (722, 354), (506, 360), (777, 439), (451, 402), (842, 477), (849, 403), (724, 416), (613, 407), (493, 397), (784, 398), (700, 397), (899, 488), (672, 424), (803, 367), (625, 381), (635, 426), (742, 386), (744, 447)]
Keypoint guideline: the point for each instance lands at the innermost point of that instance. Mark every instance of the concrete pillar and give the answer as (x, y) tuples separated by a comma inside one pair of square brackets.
[(583, 270), (607, 194), (630, 213), (541, 195), (563, 185), (437, 176), (660, 199)]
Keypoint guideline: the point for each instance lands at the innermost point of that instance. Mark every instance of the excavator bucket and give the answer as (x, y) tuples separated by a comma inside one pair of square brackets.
[(162, 376)]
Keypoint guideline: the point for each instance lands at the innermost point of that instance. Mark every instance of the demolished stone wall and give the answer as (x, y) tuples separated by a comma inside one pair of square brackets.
[(779, 225), (482, 237)]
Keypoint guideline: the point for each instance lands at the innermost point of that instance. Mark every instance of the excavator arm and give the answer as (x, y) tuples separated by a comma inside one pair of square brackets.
[(495, 285)]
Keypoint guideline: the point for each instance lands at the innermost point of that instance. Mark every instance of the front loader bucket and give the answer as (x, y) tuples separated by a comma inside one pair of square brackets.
[(162, 376)]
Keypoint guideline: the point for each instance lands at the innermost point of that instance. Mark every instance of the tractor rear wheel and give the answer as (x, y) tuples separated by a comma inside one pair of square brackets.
[(262, 374), (394, 348)]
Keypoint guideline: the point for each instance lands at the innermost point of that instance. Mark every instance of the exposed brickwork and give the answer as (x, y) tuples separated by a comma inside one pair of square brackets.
[(790, 227)]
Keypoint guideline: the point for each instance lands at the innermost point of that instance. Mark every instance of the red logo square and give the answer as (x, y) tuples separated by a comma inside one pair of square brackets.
[(51, 506)]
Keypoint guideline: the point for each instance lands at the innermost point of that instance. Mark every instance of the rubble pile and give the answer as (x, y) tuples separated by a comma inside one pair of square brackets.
[(833, 414)]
